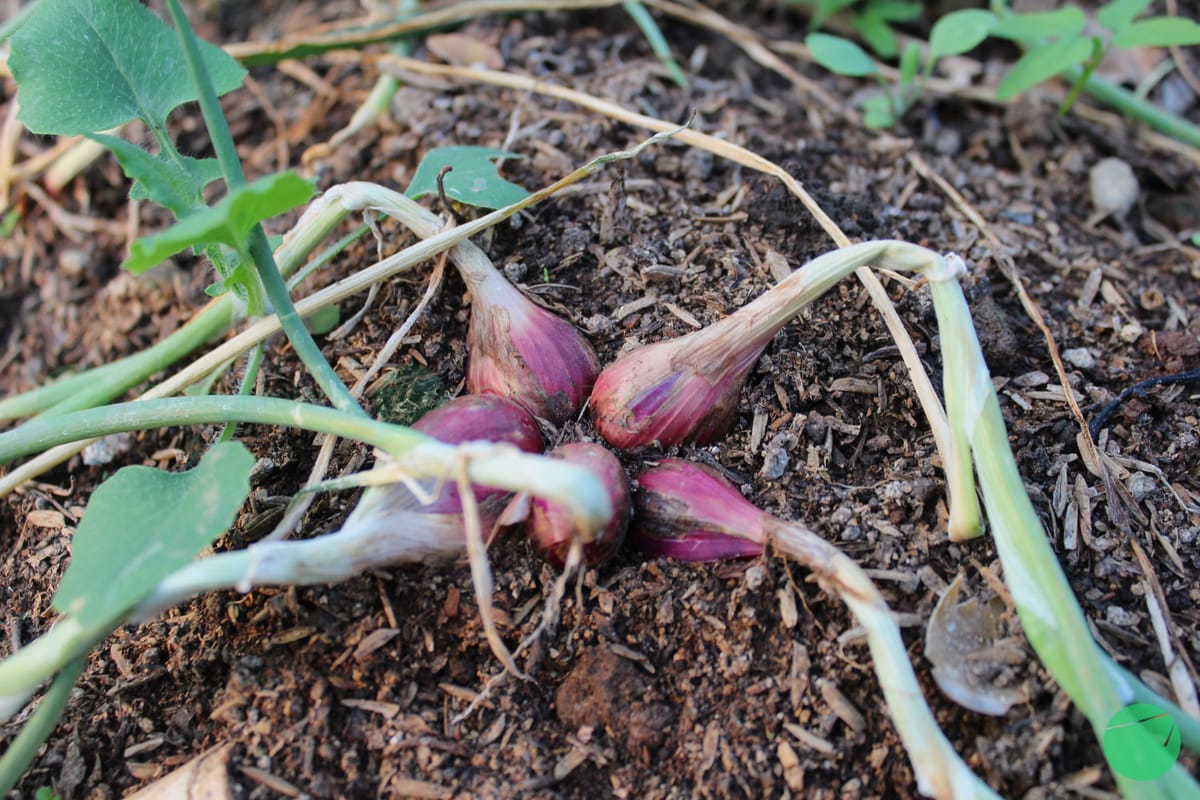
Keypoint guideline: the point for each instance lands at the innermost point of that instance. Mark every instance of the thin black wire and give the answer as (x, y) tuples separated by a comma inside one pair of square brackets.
[(1098, 423)]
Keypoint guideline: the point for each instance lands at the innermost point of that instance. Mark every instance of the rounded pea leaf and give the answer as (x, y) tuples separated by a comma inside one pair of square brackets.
[(1042, 63), (472, 178), (877, 33), (896, 10), (89, 65), (1158, 32), (228, 222), (959, 32), (877, 112), (839, 55), (143, 524)]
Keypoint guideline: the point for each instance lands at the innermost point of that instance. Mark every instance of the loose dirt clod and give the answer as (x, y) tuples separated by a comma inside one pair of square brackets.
[(604, 689)]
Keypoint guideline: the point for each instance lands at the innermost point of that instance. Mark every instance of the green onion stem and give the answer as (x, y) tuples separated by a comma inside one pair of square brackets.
[(42, 433), (1051, 617), (1136, 107), (24, 747)]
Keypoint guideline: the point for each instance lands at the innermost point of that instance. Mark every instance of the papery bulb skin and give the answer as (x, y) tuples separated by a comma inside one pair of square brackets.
[(549, 523), (521, 351), (681, 391), (689, 512)]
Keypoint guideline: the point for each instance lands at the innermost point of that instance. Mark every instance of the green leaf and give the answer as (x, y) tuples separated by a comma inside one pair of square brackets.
[(878, 35), (1158, 32), (959, 32), (896, 10), (1042, 63), (143, 524), (910, 62), (228, 222), (473, 179), (877, 112), (1060, 23), (824, 9), (177, 183), (839, 55), (88, 65), (1119, 13)]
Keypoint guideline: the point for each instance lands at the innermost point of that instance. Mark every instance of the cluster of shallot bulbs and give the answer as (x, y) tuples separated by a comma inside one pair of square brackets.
[(526, 364)]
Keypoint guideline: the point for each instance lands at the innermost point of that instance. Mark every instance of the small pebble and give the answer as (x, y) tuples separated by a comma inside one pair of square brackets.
[(103, 451), (1130, 332), (1114, 187), (1032, 379), (754, 576), (1079, 357), (1141, 485)]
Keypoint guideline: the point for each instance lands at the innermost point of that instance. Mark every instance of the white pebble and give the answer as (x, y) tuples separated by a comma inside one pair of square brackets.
[(1114, 187), (1079, 357)]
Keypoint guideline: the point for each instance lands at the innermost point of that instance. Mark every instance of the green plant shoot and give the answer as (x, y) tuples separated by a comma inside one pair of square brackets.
[(65, 49)]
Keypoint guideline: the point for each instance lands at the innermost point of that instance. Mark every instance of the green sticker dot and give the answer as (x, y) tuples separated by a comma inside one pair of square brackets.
[(1141, 742)]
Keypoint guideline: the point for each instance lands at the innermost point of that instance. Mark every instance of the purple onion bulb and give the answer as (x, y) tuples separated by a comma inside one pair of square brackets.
[(689, 512), (550, 523), (522, 351), (463, 419)]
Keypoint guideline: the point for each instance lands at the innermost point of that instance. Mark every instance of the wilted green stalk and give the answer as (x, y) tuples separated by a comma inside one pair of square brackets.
[(1050, 615)]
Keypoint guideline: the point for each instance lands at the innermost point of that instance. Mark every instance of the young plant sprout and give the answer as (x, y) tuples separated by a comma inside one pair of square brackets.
[(683, 507), (550, 525)]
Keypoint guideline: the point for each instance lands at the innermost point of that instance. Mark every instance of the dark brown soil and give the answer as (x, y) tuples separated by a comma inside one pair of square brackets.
[(661, 679)]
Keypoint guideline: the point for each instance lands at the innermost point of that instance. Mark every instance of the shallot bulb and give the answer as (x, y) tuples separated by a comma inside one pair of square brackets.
[(688, 512), (686, 390), (396, 507), (680, 504), (550, 523), (522, 351), (483, 417)]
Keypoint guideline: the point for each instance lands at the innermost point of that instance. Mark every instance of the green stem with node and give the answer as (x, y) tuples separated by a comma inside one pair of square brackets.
[(257, 247)]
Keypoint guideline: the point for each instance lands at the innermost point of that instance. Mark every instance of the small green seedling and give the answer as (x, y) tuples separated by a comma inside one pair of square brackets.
[(1055, 42), (956, 33), (872, 19)]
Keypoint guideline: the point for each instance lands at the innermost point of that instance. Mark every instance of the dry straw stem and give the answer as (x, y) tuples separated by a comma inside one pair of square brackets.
[(373, 28), (750, 42), (964, 507)]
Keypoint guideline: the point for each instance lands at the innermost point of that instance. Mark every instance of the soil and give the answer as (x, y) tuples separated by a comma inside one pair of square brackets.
[(661, 679)]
